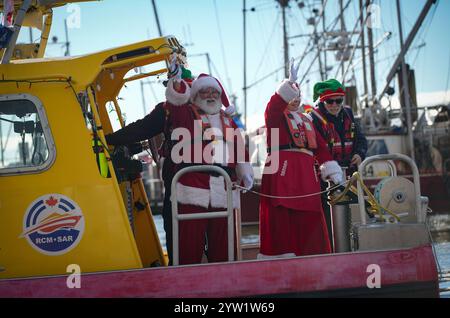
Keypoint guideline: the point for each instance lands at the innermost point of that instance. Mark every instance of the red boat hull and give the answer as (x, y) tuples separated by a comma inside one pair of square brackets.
[(404, 273)]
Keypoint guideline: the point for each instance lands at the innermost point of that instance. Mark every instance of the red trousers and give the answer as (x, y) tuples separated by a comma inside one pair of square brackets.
[(284, 230), (195, 234)]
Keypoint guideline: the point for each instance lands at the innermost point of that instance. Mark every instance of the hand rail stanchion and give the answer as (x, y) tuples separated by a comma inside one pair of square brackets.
[(238, 234), (206, 215), (416, 180)]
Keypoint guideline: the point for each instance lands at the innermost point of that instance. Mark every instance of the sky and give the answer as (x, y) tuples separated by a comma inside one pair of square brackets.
[(216, 27)]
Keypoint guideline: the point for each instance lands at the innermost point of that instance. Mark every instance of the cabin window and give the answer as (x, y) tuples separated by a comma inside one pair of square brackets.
[(26, 144), (376, 147)]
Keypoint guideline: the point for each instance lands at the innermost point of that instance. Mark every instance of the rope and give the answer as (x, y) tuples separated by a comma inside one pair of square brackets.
[(291, 197), (375, 206)]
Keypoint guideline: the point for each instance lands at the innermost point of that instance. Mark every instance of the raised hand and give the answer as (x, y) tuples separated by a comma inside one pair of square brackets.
[(293, 71), (174, 68)]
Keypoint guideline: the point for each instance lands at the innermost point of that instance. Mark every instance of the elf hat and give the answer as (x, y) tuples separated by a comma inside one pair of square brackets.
[(186, 75), (328, 89)]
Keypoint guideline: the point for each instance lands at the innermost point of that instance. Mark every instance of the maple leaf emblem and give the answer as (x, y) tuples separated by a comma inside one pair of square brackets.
[(51, 201)]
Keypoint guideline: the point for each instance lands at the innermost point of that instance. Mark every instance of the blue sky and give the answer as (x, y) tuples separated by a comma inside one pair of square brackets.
[(199, 23)]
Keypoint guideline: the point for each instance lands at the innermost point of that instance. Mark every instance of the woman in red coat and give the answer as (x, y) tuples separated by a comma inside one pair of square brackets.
[(293, 226)]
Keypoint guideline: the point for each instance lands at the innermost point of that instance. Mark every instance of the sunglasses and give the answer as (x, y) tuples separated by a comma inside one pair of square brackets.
[(209, 93), (332, 101)]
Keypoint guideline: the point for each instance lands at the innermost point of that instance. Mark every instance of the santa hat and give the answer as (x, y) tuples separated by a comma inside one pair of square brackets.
[(204, 81), (328, 89)]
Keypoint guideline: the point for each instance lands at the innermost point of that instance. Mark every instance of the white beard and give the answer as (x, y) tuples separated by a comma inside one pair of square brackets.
[(210, 106)]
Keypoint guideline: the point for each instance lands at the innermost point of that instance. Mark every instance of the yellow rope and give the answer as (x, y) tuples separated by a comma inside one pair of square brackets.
[(375, 207)]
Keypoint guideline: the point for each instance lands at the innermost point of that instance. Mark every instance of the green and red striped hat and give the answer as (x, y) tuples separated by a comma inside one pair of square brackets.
[(328, 89)]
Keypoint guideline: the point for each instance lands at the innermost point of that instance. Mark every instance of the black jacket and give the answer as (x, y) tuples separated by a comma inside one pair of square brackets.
[(148, 127)]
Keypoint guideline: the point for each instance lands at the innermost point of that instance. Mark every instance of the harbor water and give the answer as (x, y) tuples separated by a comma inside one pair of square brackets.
[(440, 231)]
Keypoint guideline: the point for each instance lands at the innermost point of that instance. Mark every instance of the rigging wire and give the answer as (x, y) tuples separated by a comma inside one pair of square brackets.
[(448, 79), (264, 55), (230, 89)]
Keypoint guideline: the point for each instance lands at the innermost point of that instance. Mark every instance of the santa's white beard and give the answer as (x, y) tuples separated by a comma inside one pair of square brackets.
[(210, 106)]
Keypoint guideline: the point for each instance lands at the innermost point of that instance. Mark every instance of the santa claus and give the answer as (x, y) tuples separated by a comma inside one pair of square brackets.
[(291, 222), (204, 134)]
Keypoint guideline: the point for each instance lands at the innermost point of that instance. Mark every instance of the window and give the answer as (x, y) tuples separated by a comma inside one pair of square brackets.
[(26, 144), (376, 147)]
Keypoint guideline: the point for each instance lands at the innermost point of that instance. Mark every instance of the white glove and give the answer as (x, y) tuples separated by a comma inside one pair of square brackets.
[(336, 178), (293, 71), (247, 179), (244, 172), (175, 70)]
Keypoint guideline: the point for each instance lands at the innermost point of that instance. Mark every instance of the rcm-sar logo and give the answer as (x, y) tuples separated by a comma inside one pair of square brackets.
[(53, 224)]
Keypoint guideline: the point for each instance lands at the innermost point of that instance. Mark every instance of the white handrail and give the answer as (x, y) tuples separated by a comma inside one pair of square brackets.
[(206, 215)]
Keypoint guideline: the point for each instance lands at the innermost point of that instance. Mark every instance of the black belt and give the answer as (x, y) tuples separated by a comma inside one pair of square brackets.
[(230, 171), (283, 147)]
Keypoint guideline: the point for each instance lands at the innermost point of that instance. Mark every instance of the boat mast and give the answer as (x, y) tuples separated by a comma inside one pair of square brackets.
[(343, 31), (67, 38), (156, 17), (373, 80), (363, 52), (319, 51), (405, 88), (325, 71), (284, 4), (407, 44)]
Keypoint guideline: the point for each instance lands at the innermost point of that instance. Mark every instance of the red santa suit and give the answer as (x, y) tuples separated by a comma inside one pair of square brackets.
[(293, 226), (204, 192)]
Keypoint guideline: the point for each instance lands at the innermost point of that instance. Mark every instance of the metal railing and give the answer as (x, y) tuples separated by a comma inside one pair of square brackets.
[(204, 215), (416, 181)]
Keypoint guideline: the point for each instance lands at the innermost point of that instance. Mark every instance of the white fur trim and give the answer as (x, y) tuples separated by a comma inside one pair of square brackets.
[(176, 98), (219, 195), (203, 82), (193, 196), (263, 256), (216, 195), (230, 110), (328, 168), (287, 91)]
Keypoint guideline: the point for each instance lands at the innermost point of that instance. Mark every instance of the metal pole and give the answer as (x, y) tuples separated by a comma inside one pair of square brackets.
[(208, 60), (342, 221), (156, 17), (17, 26), (363, 49), (341, 9), (143, 98), (405, 86), (2, 150), (407, 43), (325, 71), (373, 80), (316, 38), (284, 4), (244, 11), (67, 38)]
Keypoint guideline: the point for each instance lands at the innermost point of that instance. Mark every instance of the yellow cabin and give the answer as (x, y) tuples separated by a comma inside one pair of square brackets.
[(60, 197)]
